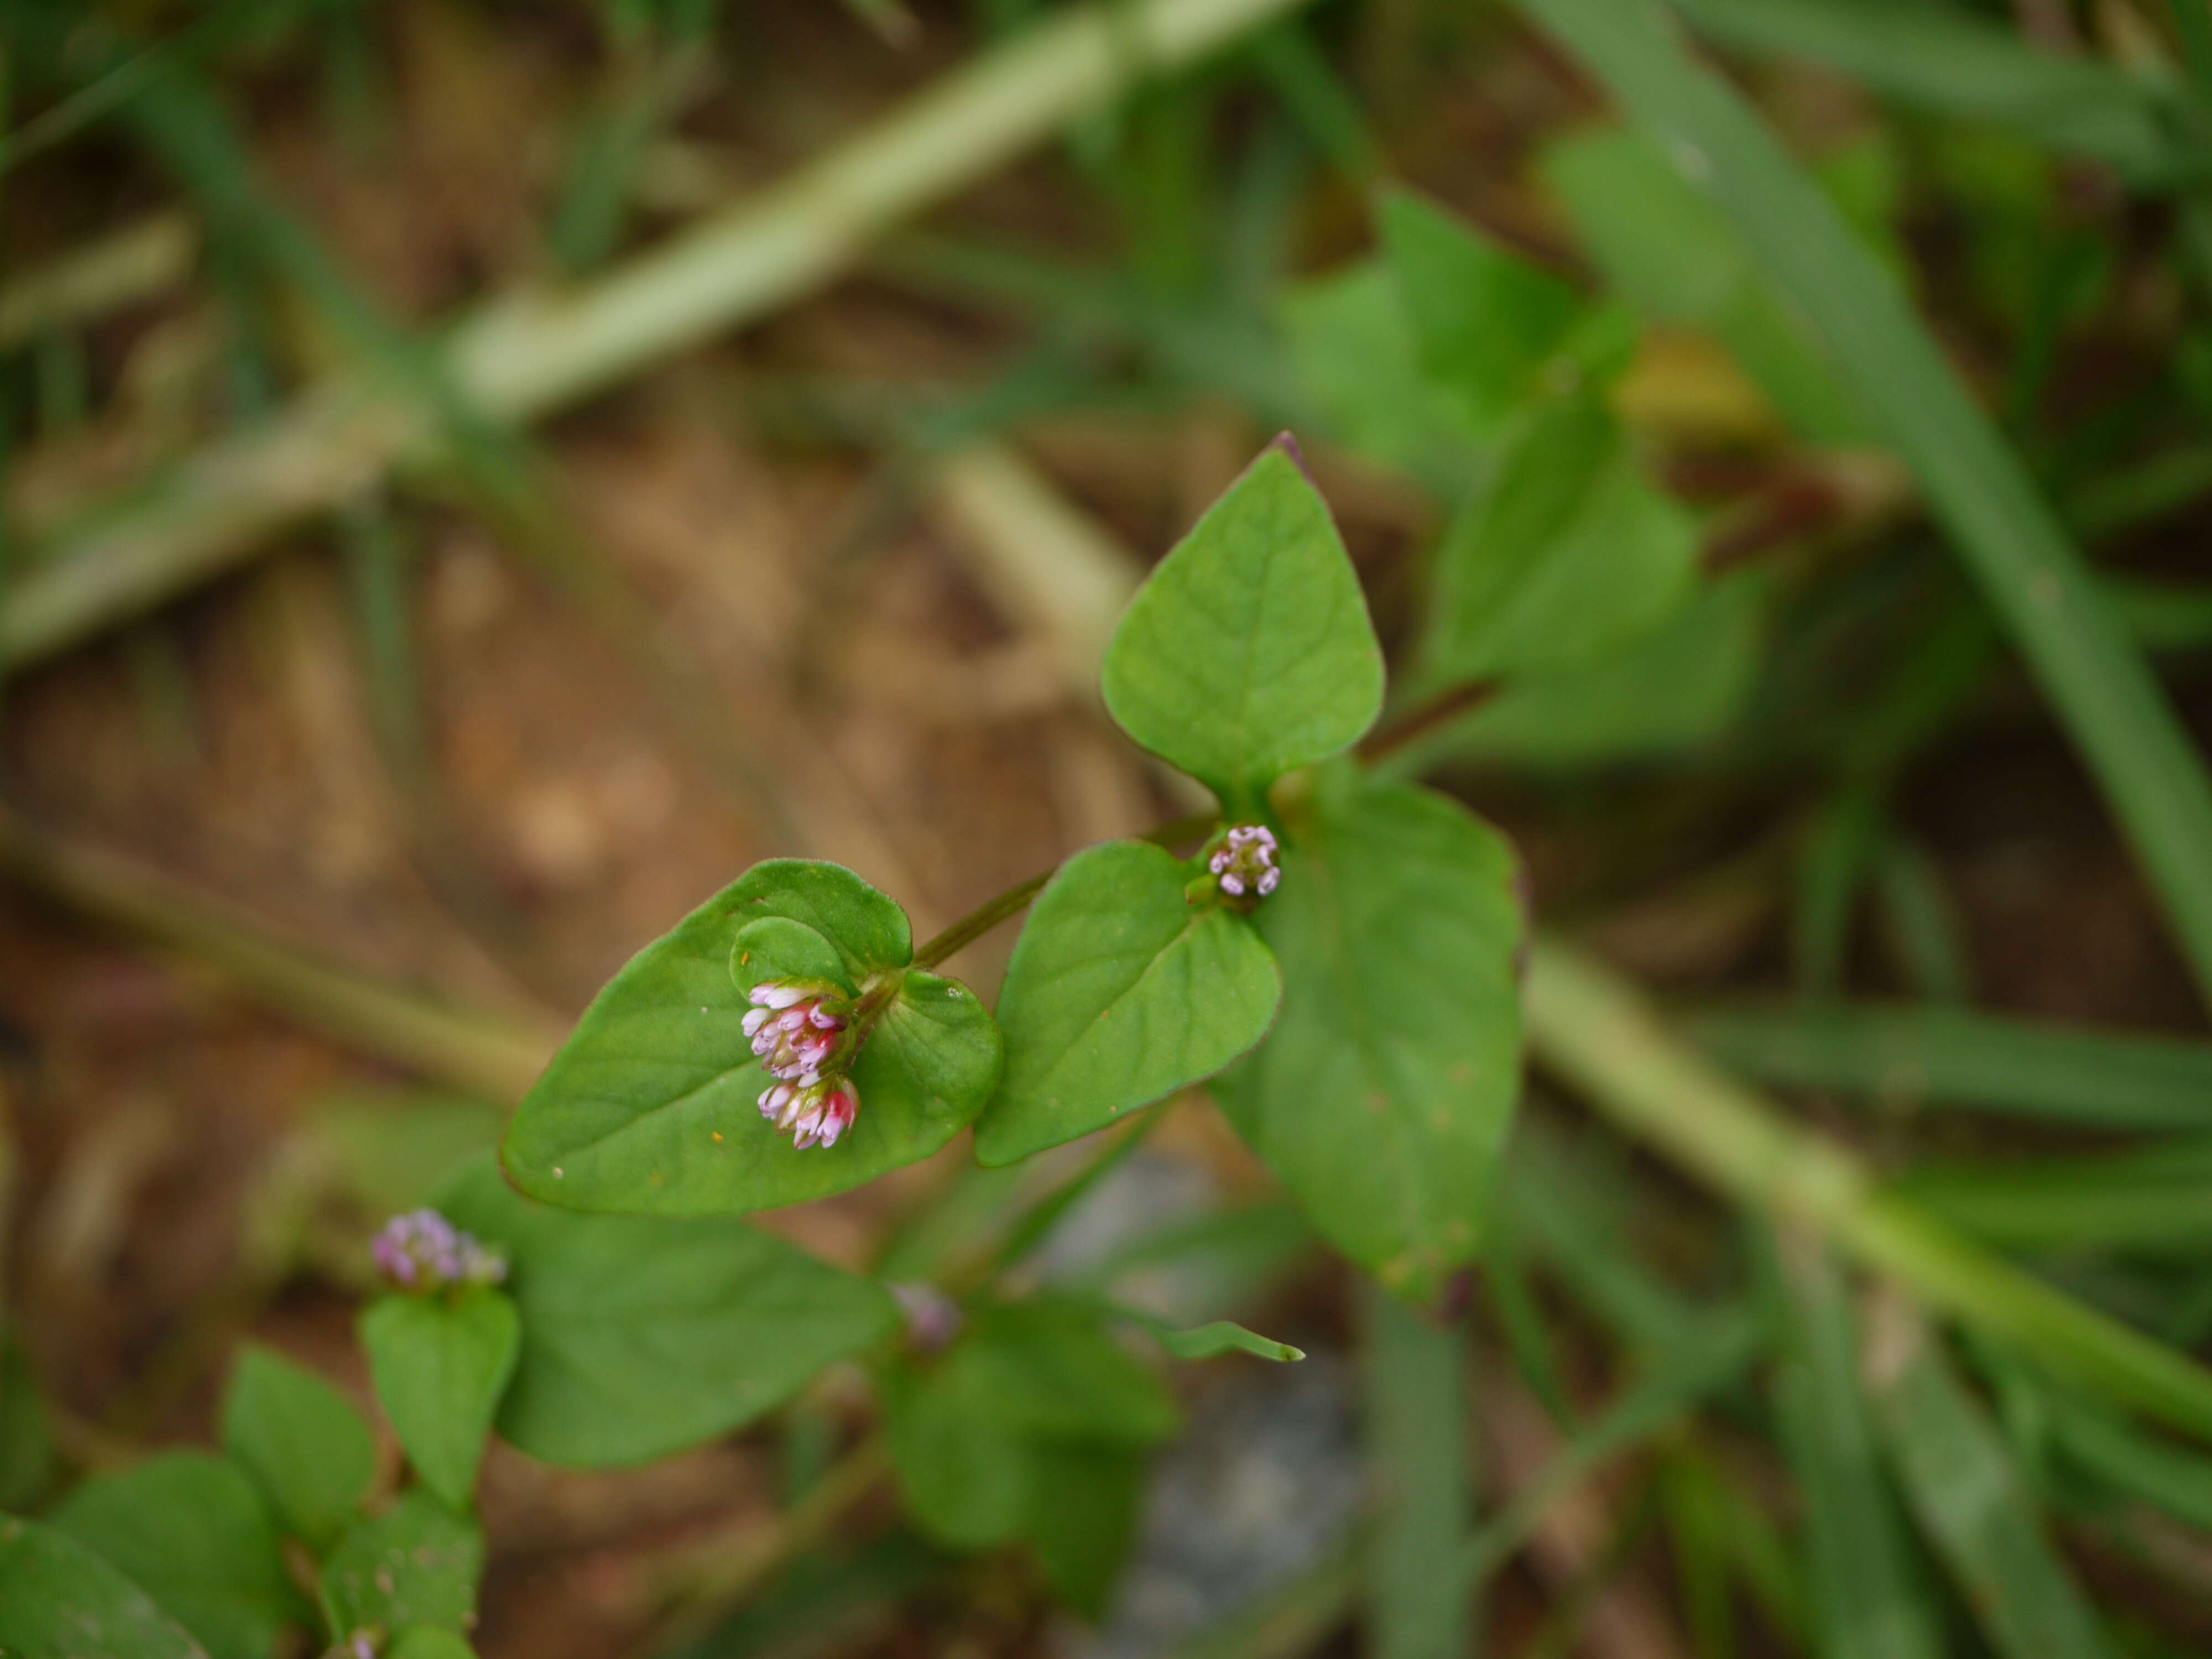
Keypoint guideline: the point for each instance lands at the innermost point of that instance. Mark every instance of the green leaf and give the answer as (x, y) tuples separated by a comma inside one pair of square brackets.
[(1383, 1097), (440, 1365), (1963, 1487), (1566, 551), (642, 1335), (1867, 1601), (1055, 1371), (429, 1642), (1352, 351), (1667, 690), (776, 947), (1083, 1517), (1413, 1400), (1120, 992), (649, 1107), (1486, 322), (416, 1563), (1221, 1336), (1248, 651), (190, 1530), (59, 1600), (965, 1472), (302, 1442)]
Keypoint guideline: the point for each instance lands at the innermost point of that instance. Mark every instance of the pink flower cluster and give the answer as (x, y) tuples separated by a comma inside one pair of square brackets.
[(422, 1250), (1245, 862), (803, 1034)]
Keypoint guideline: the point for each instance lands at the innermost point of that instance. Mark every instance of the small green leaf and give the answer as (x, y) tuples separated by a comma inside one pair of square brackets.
[(964, 1471), (1248, 651), (440, 1365), (1383, 1098), (1083, 1517), (302, 1442), (1352, 351), (776, 947), (1221, 1336), (644, 1335), (429, 1642), (191, 1531), (1055, 1371), (1120, 992), (1566, 552), (650, 1106), (416, 1563), (1676, 686), (1485, 322), (59, 1600)]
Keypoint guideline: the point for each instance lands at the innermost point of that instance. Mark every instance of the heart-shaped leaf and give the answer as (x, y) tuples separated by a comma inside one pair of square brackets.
[(56, 1597), (416, 1563), (440, 1365), (191, 1531), (302, 1442), (1120, 992), (1383, 1098), (1567, 552), (642, 1335), (650, 1106), (1248, 651)]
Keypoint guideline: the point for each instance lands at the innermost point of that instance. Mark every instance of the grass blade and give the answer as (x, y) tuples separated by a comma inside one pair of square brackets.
[(1868, 1603), (2158, 1198), (1415, 1393), (1972, 1502), (1947, 1056), (2033, 578)]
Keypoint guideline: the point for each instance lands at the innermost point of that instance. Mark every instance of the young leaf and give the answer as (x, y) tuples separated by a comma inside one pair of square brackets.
[(1568, 551), (643, 1336), (650, 1108), (1054, 1372), (416, 1563), (1088, 1498), (191, 1531), (776, 947), (1486, 322), (440, 1365), (1120, 992), (57, 1598), (1248, 651), (1969, 1498), (1221, 1336), (1382, 1099), (302, 1442)]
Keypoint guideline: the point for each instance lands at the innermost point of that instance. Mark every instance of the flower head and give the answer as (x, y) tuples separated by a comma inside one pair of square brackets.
[(1244, 864), (815, 1114), (422, 1251), (801, 1030)]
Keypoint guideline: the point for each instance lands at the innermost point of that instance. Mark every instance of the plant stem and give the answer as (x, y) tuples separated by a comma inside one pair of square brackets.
[(1016, 899), (537, 350), (1595, 1031)]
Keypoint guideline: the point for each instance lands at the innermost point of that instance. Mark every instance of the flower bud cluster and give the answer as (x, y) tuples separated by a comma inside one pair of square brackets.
[(422, 1251), (803, 1031), (1244, 863)]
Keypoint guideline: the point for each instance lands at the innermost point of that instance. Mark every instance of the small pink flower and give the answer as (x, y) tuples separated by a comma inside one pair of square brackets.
[(1244, 863), (422, 1251)]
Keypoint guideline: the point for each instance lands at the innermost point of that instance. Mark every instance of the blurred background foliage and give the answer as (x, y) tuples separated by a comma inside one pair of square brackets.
[(478, 474)]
